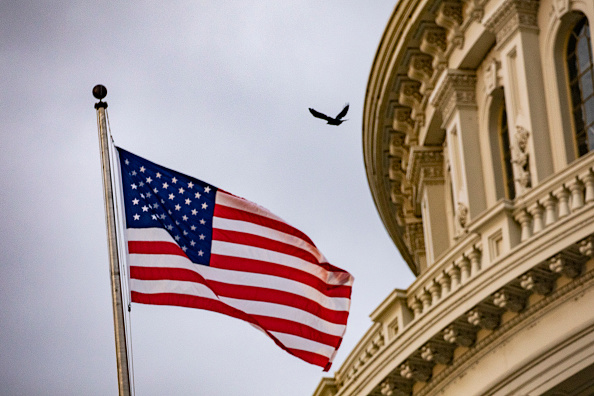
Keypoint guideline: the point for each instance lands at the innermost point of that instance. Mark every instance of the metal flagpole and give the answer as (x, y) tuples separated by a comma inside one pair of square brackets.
[(99, 92)]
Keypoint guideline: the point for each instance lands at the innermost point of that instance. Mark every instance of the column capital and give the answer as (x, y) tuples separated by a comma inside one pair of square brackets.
[(511, 16)]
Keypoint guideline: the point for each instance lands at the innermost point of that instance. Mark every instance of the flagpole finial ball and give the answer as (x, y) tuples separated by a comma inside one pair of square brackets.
[(99, 91)]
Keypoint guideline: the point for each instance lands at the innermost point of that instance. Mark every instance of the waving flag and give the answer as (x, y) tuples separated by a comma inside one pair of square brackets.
[(193, 245)]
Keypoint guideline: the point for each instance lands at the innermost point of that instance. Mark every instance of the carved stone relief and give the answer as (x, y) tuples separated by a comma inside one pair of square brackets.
[(521, 159)]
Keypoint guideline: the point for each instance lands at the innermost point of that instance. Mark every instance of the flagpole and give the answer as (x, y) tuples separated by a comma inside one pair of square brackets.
[(99, 92)]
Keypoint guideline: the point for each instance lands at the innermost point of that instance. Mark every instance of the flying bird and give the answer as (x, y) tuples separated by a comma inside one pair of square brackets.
[(331, 121)]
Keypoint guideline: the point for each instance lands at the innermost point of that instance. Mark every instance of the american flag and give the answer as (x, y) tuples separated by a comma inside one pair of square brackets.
[(191, 244)]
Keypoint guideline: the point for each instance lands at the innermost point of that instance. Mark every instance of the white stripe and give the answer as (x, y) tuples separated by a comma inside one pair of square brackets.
[(149, 235), (295, 342), (168, 286), (241, 278), (243, 251), (249, 307), (256, 253), (266, 232)]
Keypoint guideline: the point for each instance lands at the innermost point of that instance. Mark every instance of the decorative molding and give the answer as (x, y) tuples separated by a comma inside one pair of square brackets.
[(455, 89), (459, 334), (537, 281), (416, 369), (492, 78), (425, 166), (420, 68), (449, 16), (438, 352), (510, 298), (434, 43), (511, 16)]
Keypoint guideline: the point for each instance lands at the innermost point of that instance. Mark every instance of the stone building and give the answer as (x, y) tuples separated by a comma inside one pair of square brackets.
[(478, 139)]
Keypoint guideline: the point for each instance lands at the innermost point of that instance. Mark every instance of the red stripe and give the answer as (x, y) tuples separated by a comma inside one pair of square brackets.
[(262, 242), (282, 271), (227, 212), (298, 329), (310, 357), (251, 293), (155, 247), (280, 297), (265, 322), (217, 306), (159, 273)]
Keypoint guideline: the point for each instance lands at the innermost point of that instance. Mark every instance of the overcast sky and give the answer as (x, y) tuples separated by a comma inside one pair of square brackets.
[(215, 89)]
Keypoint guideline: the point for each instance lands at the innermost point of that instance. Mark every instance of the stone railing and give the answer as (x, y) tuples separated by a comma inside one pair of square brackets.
[(365, 350), (556, 198), (446, 275)]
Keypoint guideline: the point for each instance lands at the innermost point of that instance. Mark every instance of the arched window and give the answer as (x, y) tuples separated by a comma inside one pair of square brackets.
[(506, 158), (581, 84)]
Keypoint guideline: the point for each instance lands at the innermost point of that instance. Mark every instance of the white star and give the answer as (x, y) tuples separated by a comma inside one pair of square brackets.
[(144, 208), (177, 207), (185, 232), (148, 194), (190, 185), (200, 253), (184, 248), (193, 227), (141, 184), (142, 169), (133, 173), (165, 185), (154, 217), (202, 221), (177, 237), (171, 196), (202, 237), (204, 205), (155, 190), (185, 218), (136, 217), (135, 201), (158, 175), (194, 212), (181, 190), (127, 162), (197, 195), (149, 180), (142, 196), (134, 186), (192, 243), (163, 216), (174, 180), (188, 201), (207, 189), (170, 227)]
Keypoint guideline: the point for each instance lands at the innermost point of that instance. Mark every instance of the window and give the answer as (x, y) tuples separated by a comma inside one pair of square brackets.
[(506, 159), (581, 85)]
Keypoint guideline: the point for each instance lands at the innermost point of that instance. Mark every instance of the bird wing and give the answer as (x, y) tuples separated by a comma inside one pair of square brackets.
[(317, 114), (343, 112)]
